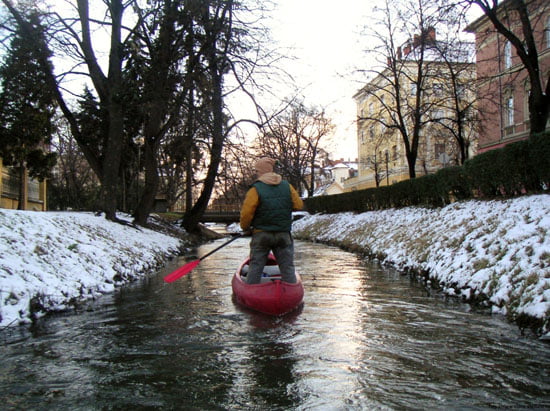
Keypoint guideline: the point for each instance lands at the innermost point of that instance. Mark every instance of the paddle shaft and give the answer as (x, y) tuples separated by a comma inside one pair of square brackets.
[(221, 246), (187, 268)]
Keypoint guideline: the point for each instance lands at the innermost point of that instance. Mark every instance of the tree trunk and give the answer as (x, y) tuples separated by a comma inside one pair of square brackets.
[(22, 187), (147, 200), (192, 217), (411, 161), (539, 104), (111, 162)]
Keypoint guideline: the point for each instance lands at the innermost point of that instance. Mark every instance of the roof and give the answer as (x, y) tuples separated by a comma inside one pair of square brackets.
[(474, 26)]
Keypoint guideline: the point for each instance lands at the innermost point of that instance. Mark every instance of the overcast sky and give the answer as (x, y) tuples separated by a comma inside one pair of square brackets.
[(325, 37)]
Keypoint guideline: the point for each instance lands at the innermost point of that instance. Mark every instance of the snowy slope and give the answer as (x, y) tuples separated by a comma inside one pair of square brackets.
[(497, 251)]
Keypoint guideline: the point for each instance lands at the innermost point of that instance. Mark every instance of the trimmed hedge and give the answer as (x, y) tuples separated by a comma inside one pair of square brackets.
[(516, 169)]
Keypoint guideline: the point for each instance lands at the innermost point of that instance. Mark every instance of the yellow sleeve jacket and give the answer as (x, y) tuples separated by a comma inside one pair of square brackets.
[(252, 200)]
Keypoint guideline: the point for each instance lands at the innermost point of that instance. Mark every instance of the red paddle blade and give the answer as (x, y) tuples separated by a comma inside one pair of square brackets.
[(180, 272)]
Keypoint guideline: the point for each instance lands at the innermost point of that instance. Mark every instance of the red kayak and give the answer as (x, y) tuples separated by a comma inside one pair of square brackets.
[(272, 296)]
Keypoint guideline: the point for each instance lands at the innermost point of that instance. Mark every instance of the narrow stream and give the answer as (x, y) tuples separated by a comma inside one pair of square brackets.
[(366, 338)]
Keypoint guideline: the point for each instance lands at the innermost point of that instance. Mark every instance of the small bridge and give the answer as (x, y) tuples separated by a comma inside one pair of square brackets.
[(221, 216)]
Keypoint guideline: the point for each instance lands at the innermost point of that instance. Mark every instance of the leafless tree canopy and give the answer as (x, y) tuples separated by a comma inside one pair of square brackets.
[(294, 138)]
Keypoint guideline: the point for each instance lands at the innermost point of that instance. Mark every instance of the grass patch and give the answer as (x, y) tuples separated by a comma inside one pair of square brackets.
[(480, 264)]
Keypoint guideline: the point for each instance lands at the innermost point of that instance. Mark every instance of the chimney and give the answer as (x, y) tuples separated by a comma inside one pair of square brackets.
[(398, 53), (427, 37)]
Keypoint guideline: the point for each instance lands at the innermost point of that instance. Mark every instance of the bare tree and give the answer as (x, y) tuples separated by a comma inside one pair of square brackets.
[(230, 46), (418, 78), (77, 37), (454, 95), (400, 82), (73, 183), (166, 59), (375, 161), (294, 137)]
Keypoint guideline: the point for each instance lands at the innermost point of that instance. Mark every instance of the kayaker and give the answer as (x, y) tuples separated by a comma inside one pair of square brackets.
[(267, 213)]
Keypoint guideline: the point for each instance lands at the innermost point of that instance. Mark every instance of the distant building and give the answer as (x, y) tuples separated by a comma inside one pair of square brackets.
[(382, 154), (503, 83), (34, 193), (336, 175)]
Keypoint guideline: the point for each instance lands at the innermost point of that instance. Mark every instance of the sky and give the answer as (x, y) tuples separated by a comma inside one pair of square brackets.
[(499, 248), (324, 37)]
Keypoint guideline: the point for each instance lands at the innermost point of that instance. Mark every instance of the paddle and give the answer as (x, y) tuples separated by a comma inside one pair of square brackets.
[(187, 268)]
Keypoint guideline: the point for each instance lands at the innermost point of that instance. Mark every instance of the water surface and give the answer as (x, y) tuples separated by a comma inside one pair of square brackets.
[(365, 338)]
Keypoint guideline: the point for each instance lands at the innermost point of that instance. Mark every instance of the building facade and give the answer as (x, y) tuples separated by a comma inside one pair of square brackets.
[(503, 83), (34, 197), (388, 104)]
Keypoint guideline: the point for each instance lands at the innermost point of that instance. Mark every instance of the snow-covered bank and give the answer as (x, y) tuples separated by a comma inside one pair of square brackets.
[(51, 259), (494, 251)]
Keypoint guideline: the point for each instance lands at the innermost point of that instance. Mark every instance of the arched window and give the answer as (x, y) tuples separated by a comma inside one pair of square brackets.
[(508, 55)]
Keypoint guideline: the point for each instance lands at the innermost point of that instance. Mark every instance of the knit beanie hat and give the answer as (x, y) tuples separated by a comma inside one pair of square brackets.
[(264, 165)]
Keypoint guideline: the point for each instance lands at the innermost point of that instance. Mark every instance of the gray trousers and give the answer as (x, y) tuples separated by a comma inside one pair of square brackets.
[(282, 245)]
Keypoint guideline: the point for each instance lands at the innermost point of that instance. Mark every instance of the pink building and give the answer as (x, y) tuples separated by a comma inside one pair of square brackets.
[(503, 83)]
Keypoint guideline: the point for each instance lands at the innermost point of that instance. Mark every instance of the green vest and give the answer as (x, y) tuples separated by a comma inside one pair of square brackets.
[(274, 213)]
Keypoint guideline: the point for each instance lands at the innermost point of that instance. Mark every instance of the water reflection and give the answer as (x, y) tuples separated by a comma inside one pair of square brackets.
[(365, 338)]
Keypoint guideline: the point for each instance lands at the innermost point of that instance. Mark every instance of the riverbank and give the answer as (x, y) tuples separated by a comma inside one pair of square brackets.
[(495, 253), (52, 260)]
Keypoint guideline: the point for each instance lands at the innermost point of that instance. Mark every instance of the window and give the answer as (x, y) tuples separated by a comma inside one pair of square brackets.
[(437, 89), (371, 108), (547, 32), (510, 111), (440, 154), (439, 150), (526, 94), (10, 182), (413, 89), (508, 55), (371, 132)]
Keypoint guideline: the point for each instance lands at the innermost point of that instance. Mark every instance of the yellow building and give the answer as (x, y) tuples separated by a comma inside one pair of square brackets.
[(35, 191), (387, 105)]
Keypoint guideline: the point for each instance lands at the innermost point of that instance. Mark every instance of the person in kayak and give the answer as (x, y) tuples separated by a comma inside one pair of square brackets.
[(267, 213)]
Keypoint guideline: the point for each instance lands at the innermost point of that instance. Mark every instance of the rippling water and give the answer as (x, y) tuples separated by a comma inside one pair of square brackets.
[(366, 338)]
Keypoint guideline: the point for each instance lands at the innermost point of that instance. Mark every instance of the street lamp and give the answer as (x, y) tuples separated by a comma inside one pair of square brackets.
[(387, 169)]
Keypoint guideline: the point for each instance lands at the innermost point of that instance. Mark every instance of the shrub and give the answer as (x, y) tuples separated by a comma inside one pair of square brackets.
[(516, 169)]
